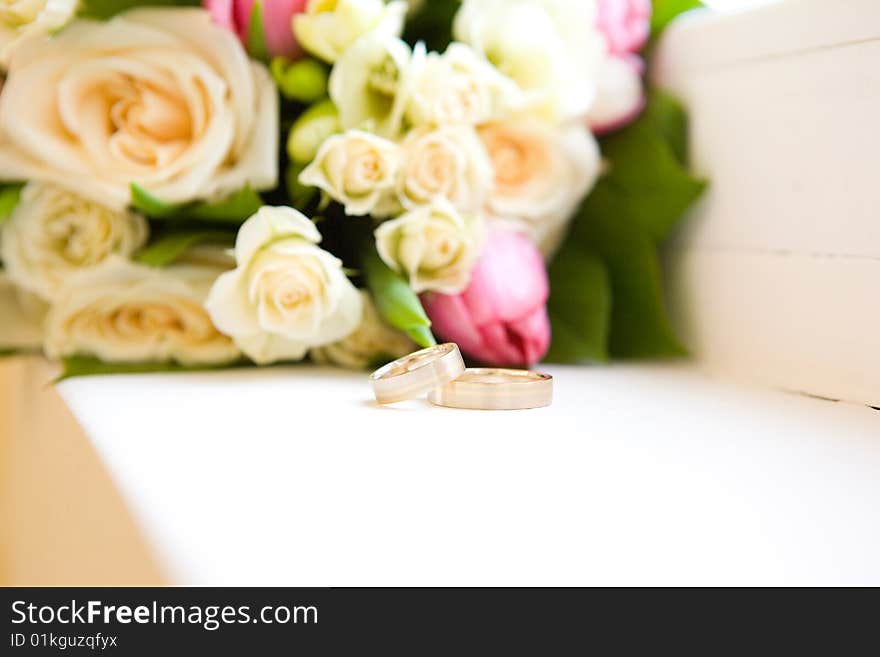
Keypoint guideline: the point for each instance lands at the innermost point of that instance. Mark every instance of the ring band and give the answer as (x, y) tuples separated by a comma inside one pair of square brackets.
[(495, 390), (414, 375)]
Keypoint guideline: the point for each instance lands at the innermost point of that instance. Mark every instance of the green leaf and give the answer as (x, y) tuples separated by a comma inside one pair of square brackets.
[(580, 307), (104, 9), (77, 366), (171, 246), (233, 209), (647, 186), (256, 35), (623, 222), (665, 114), (396, 301), (9, 197), (143, 201), (421, 335), (665, 10), (640, 327), (11, 352)]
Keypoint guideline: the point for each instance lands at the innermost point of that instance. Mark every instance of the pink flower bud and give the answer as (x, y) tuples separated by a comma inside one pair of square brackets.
[(620, 94), (235, 15), (501, 318), (626, 24)]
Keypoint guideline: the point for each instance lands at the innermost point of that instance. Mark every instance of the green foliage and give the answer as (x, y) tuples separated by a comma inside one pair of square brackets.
[(256, 36), (234, 209), (9, 197), (667, 116), (665, 10), (647, 184), (169, 247), (143, 201), (77, 366), (104, 9), (580, 308), (614, 242), (396, 301)]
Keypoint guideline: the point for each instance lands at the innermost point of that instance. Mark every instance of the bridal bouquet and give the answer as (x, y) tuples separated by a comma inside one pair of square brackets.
[(268, 181)]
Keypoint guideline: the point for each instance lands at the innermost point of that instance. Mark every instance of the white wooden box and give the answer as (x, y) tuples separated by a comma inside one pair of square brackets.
[(775, 278)]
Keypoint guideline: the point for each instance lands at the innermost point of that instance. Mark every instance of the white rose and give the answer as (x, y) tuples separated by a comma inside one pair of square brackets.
[(541, 175), (22, 313), (458, 86), (161, 97), (287, 294), (449, 162), (434, 245), (123, 312), (551, 48), (357, 169), (21, 20), (371, 342), (370, 85), (53, 233), (329, 27)]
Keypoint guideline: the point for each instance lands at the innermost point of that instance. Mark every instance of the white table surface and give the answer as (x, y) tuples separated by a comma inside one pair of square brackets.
[(634, 476)]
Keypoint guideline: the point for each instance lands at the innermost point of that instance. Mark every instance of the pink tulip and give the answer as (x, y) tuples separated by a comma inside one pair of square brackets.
[(235, 15), (501, 318), (626, 24)]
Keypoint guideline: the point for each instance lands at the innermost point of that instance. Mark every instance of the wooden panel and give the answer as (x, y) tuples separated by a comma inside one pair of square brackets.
[(791, 322), (791, 147), (61, 520), (775, 274)]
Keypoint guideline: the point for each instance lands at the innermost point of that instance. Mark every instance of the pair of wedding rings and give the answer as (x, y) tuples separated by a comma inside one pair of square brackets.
[(440, 373)]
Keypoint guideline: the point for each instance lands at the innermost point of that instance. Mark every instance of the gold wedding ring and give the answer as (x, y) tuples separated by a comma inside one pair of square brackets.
[(495, 390), (414, 375)]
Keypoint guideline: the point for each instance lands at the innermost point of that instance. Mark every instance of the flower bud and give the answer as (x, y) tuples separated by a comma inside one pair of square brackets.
[(265, 27), (312, 129), (501, 317), (304, 81)]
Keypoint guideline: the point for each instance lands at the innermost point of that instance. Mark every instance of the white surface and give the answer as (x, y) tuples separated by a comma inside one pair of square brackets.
[(776, 273), (783, 321), (633, 476)]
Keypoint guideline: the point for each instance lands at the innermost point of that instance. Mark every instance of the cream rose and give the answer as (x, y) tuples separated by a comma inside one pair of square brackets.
[(53, 233), (287, 295), (434, 245), (541, 175), (371, 342), (122, 312), (357, 169), (329, 27), (370, 85), (22, 313), (21, 20), (549, 47), (447, 163), (161, 97), (458, 86)]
